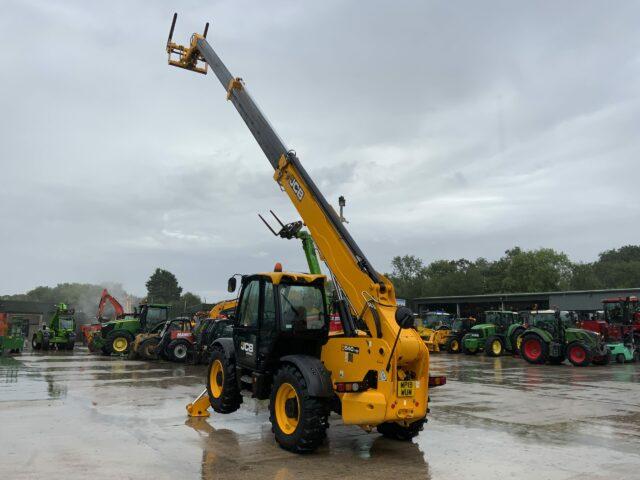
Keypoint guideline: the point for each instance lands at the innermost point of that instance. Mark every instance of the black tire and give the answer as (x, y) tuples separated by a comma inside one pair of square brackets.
[(636, 355), (45, 344), (113, 337), (529, 354), (400, 432), (602, 360), (620, 358), (514, 340), (35, 344), (488, 346), (453, 345), (147, 349), (312, 413), (178, 351), (585, 357), (70, 345), (228, 400)]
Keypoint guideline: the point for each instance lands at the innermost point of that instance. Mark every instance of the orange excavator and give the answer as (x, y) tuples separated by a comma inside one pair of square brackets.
[(89, 330)]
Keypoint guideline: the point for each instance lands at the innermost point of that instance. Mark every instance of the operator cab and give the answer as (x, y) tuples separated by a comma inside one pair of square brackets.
[(278, 314)]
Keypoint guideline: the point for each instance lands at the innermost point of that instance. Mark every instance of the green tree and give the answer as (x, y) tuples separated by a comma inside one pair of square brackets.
[(407, 276), (189, 299), (619, 268), (535, 270), (162, 287)]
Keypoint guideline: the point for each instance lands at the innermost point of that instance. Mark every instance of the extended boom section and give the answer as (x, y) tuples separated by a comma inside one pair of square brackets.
[(389, 356)]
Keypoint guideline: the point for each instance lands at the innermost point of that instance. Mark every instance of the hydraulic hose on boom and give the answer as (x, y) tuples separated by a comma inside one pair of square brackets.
[(390, 353)]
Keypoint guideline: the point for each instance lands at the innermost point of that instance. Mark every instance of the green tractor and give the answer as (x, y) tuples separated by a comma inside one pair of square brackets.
[(117, 336), (60, 333), (459, 328), (11, 334), (551, 337), (496, 335)]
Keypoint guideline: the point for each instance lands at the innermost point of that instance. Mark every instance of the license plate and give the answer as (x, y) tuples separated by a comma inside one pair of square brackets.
[(406, 388)]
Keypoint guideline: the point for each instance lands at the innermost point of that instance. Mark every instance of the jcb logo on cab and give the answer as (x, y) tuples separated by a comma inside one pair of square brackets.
[(246, 348)]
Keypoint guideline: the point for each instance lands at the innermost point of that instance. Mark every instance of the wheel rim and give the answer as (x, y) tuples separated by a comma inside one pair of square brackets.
[(120, 344), (496, 347), (532, 348), (216, 378), (577, 354), (455, 346), (287, 408), (180, 351)]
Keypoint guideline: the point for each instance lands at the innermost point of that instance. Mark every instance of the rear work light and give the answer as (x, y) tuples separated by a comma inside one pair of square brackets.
[(353, 387), (437, 381)]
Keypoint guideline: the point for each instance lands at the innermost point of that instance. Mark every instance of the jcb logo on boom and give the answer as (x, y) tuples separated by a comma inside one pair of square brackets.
[(247, 348), (297, 189)]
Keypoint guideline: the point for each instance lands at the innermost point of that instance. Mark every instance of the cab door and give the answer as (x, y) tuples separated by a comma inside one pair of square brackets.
[(246, 328)]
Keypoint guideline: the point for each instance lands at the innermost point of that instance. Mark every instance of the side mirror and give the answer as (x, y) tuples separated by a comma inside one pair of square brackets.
[(404, 317), (231, 285)]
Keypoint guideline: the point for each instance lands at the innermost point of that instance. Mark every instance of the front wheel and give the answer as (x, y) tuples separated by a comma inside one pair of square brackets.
[(494, 347), (400, 432), (178, 351), (579, 354), (222, 386), (298, 420), (119, 343), (453, 345), (148, 348)]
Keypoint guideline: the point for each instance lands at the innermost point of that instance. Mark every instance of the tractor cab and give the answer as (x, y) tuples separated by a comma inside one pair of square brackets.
[(278, 314), (500, 319), (151, 315)]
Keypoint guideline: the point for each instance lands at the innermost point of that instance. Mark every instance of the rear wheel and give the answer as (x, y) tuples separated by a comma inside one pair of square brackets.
[(401, 432), (178, 351), (453, 345), (224, 394), (494, 347), (579, 354), (119, 343), (298, 420), (533, 349)]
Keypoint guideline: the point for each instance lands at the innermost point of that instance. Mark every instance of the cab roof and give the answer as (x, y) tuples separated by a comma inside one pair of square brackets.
[(296, 277)]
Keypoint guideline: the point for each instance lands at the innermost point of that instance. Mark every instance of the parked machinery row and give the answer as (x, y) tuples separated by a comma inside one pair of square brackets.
[(541, 336)]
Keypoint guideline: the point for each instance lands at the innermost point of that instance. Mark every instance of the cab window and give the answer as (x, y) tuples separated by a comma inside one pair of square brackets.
[(302, 307), (249, 307)]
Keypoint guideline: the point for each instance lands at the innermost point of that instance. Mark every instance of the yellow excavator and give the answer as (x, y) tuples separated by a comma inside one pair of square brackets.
[(375, 374)]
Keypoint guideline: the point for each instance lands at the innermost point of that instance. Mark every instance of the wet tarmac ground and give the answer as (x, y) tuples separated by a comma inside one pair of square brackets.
[(72, 415)]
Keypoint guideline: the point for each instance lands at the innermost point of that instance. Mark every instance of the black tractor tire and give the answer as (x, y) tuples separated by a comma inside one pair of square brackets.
[(602, 360), (309, 429), (534, 349), (222, 385), (35, 345), (514, 340), (105, 350), (178, 351), (579, 354), (147, 348), (70, 345), (488, 346), (620, 358), (45, 344), (453, 345), (636, 355), (114, 337), (400, 432)]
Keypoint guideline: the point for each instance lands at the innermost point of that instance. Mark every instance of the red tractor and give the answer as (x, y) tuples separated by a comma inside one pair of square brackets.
[(620, 319)]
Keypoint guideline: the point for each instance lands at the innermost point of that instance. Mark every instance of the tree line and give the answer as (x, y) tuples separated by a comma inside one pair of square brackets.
[(517, 271), (162, 287)]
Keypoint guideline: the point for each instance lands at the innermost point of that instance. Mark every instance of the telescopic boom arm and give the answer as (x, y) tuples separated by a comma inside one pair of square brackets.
[(367, 291)]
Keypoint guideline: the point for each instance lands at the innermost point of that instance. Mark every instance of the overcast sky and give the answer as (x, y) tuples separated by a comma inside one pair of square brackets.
[(454, 129)]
